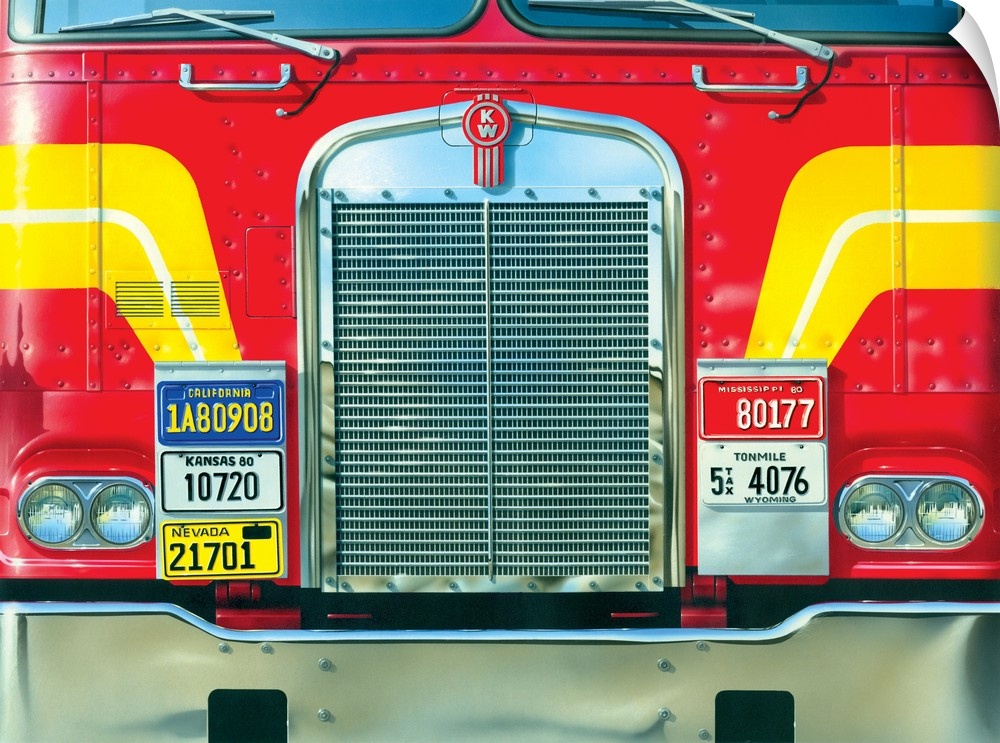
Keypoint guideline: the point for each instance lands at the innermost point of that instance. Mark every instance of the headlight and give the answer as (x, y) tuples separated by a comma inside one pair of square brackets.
[(120, 514), (74, 513), (910, 512), (52, 513), (874, 512), (946, 512)]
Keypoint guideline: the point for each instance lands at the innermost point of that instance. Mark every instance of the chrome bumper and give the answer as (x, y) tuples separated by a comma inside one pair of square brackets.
[(857, 672)]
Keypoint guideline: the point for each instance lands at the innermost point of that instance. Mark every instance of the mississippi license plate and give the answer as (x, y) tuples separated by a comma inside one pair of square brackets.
[(210, 480), (762, 408), (762, 474), (245, 548)]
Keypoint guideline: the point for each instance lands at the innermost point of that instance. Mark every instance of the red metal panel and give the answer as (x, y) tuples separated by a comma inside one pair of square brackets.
[(953, 344), (270, 277), (39, 354)]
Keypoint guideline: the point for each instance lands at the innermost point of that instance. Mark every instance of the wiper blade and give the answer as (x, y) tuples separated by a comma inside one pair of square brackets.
[(640, 6), (167, 18), (809, 48), (218, 18)]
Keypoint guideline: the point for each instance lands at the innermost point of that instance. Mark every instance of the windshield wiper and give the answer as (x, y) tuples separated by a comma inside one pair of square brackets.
[(218, 18), (647, 6), (809, 48)]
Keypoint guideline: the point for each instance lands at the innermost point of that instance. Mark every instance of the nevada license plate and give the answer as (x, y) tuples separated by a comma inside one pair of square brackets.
[(210, 480), (762, 474), (242, 548)]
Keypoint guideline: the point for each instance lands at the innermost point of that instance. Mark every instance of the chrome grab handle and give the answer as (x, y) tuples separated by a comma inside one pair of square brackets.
[(698, 78), (187, 72)]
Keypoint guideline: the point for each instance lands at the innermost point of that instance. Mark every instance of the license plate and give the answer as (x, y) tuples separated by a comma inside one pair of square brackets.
[(762, 408), (210, 480), (221, 549), (762, 474), (250, 413)]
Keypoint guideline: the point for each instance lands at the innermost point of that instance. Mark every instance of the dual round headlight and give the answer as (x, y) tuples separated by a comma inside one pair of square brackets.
[(939, 513), (86, 513)]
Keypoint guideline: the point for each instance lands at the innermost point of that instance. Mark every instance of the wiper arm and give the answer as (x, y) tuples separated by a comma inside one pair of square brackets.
[(809, 48), (218, 18)]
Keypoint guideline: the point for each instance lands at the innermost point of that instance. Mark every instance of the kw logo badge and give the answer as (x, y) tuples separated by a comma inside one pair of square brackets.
[(486, 124)]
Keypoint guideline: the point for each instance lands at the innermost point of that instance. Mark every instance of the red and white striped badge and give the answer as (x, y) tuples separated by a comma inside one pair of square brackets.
[(486, 124)]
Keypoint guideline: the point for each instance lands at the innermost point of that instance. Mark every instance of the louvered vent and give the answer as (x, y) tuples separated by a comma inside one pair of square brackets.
[(194, 299), (187, 299), (139, 299), (491, 376)]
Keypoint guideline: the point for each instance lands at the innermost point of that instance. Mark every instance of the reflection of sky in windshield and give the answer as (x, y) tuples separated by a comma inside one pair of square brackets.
[(933, 16), (288, 14)]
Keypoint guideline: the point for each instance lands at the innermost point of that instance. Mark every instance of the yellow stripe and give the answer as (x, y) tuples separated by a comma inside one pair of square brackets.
[(842, 239), (47, 212)]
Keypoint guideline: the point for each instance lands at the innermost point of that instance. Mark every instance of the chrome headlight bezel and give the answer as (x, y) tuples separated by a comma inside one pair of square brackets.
[(911, 491), (89, 493)]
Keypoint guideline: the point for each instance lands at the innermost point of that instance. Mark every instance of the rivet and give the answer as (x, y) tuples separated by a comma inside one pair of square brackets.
[(324, 715), (224, 648), (664, 713), (664, 665), (324, 664)]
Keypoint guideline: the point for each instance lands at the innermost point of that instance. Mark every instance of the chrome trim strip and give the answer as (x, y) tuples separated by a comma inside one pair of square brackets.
[(783, 631)]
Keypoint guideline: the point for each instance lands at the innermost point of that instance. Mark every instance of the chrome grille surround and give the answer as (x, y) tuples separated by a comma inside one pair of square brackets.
[(413, 162)]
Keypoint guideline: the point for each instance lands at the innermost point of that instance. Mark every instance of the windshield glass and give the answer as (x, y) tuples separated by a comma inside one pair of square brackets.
[(810, 16), (301, 17)]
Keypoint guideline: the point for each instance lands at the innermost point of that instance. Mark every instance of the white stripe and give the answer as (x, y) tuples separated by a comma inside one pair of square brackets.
[(853, 225), (110, 216)]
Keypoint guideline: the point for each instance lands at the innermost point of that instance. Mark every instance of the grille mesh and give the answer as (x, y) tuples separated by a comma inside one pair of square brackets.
[(491, 420)]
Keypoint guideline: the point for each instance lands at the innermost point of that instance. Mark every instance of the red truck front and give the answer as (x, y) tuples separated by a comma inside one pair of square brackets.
[(480, 369)]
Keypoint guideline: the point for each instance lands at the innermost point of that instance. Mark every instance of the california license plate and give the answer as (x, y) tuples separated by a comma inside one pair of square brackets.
[(225, 413), (762, 474), (244, 548), (220, 480)]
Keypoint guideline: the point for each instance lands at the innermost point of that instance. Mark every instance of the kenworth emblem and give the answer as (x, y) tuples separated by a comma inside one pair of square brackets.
[(486, 124)]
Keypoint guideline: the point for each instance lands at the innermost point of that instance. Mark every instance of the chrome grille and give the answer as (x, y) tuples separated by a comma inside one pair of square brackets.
[(491, 388)]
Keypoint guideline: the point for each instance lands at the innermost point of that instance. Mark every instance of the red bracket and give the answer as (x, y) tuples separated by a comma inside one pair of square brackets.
[(703, 602), (238, 606)]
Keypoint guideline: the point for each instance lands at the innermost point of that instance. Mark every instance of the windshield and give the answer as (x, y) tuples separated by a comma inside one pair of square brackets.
[(802, 16), (297, 17)]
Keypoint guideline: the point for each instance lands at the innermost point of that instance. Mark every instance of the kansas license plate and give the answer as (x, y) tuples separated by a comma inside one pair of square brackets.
[(242, 548), (211, 480), (762, 474), (248, 413)]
